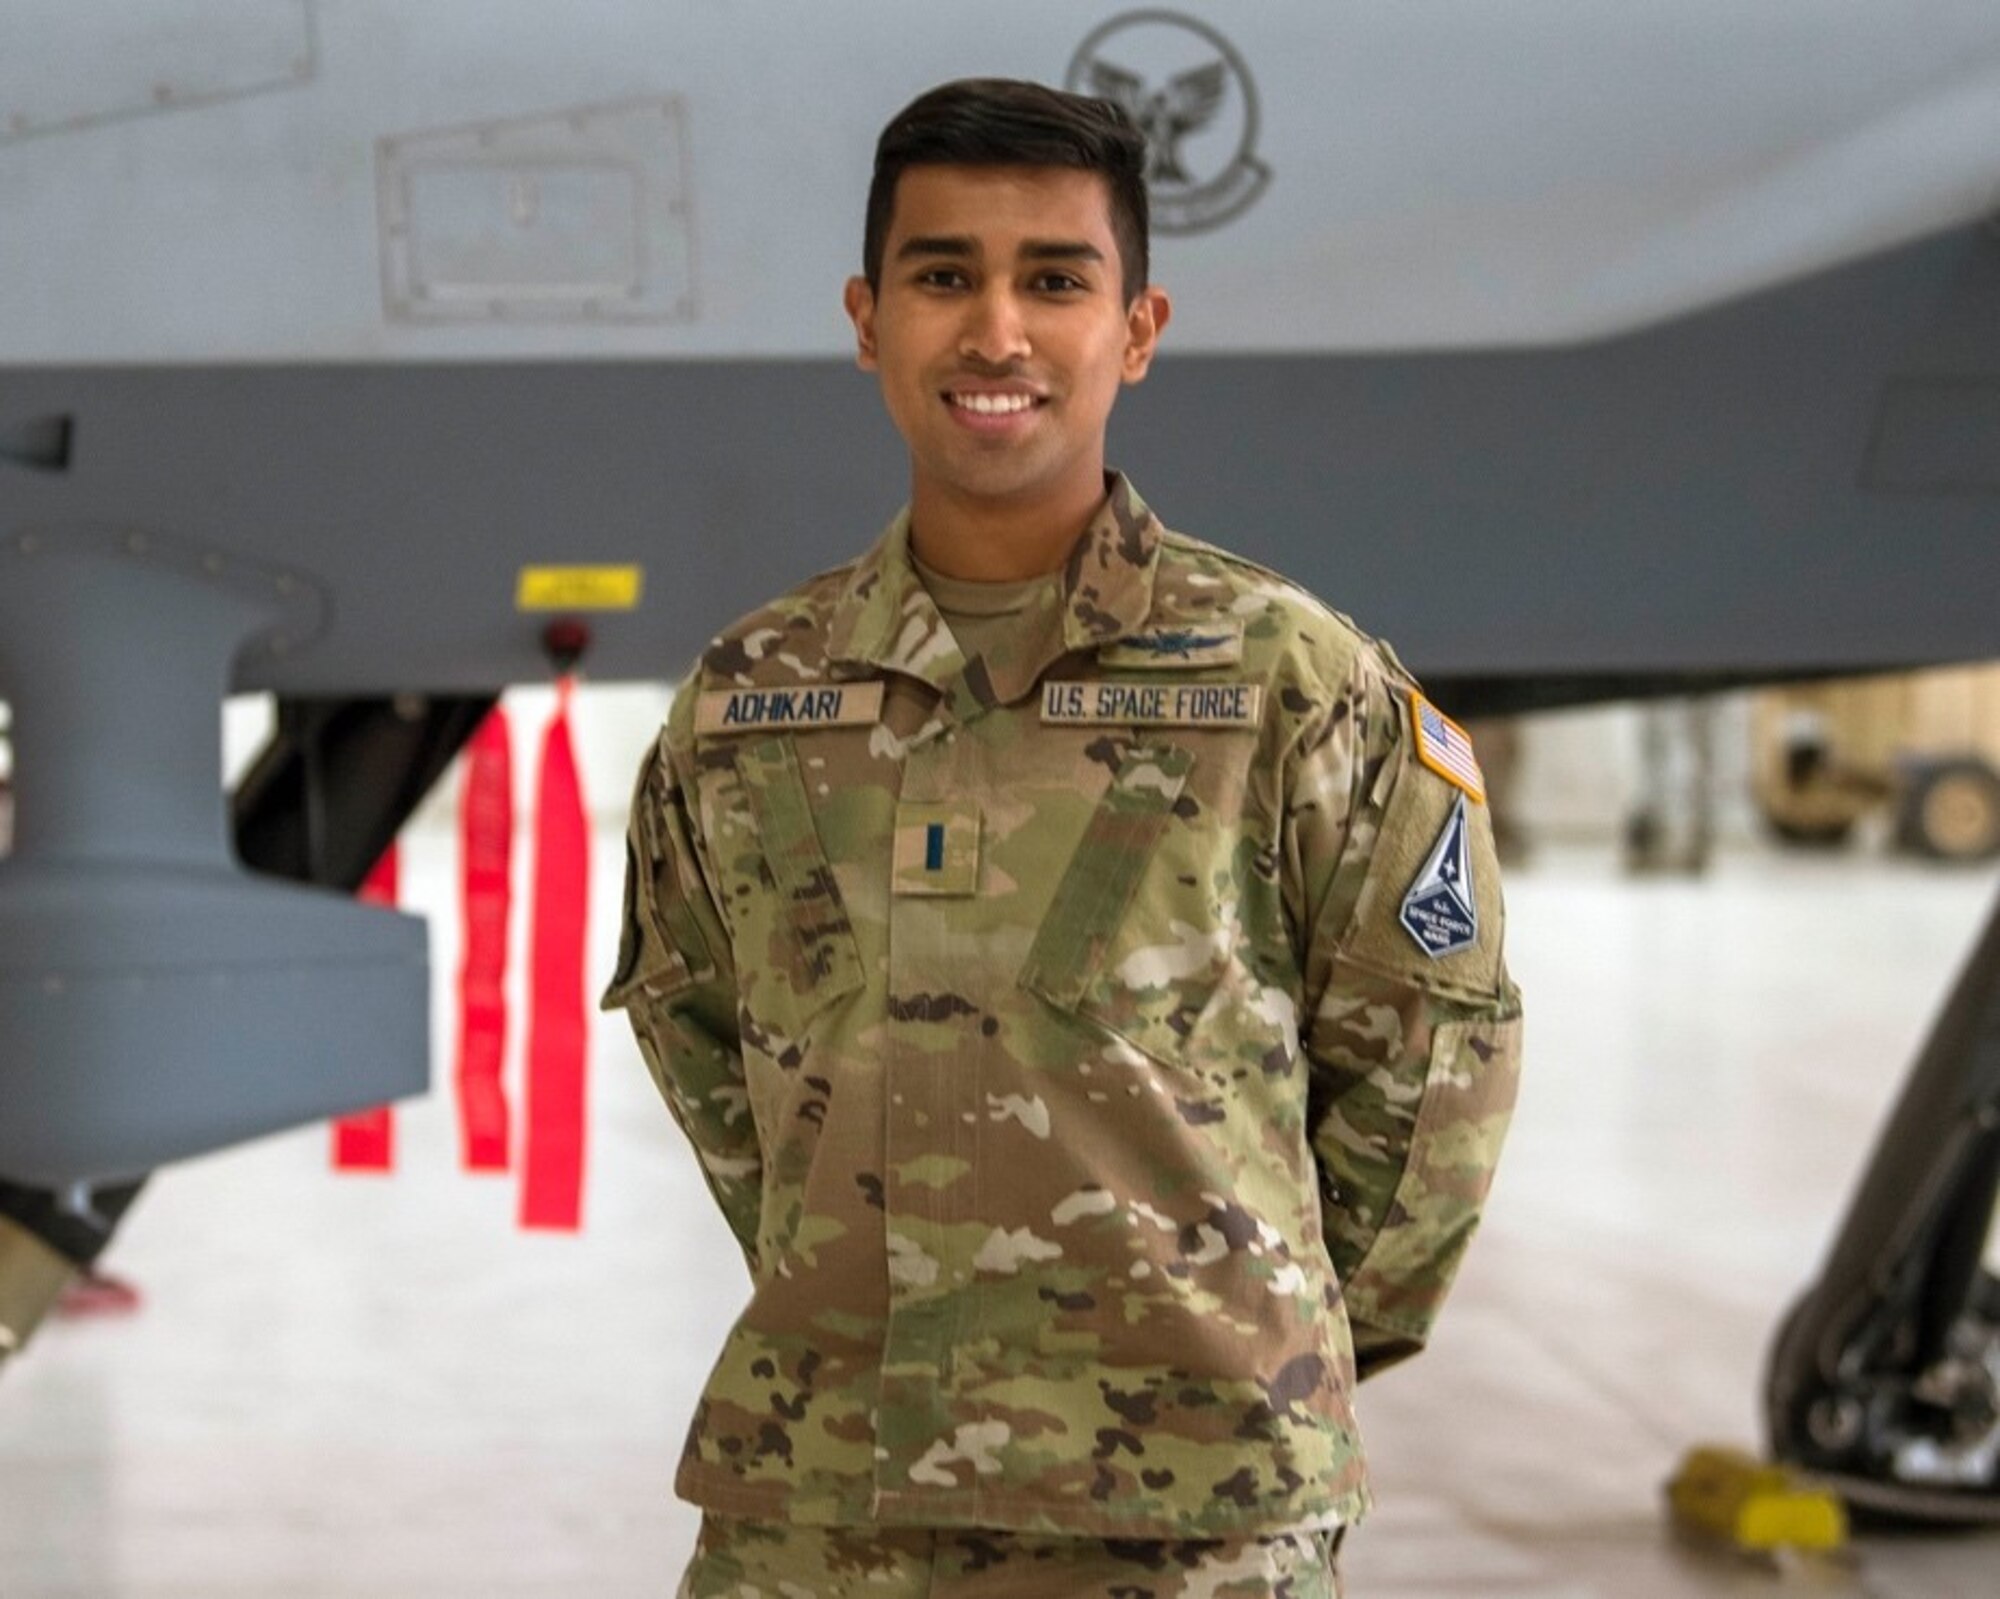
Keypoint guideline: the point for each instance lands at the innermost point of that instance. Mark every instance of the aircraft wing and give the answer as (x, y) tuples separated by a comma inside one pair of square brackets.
[(1573, 347)]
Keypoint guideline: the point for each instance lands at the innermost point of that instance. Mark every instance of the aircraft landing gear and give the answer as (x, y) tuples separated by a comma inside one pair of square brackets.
[(1924, 1447), (1884, 1380)]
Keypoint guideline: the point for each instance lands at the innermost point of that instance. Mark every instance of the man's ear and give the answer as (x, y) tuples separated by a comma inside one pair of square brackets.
[(1145, 320), (860, 302)]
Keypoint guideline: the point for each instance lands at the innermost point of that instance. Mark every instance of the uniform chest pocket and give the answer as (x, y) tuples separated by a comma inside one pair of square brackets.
[(795, 948), (1140, 932)]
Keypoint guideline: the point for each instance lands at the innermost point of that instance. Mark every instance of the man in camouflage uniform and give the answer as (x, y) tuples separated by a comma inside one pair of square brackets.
[(1074, 954)]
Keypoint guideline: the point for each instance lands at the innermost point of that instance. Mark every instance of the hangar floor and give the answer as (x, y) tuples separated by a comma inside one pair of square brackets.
[(347, 1387)]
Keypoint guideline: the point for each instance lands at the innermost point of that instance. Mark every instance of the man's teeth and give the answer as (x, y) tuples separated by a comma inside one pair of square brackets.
[(993, 404)]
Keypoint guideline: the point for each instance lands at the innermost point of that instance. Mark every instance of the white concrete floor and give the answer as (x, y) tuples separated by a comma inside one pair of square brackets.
[(347, 1387)]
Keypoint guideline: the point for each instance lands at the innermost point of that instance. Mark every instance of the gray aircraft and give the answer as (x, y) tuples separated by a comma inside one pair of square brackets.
[(379, 354)]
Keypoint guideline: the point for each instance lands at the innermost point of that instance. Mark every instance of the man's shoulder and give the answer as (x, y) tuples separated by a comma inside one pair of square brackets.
[(781, 644), (1288, 631), (781, 641)]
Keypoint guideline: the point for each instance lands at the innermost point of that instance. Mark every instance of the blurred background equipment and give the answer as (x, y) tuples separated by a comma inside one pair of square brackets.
[(1671, 827), (1922, 747)]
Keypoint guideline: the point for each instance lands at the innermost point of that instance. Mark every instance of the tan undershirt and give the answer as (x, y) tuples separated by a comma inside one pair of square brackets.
[(996, 622)]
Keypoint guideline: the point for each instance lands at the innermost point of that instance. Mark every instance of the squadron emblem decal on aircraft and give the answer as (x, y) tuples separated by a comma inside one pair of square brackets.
[(1189, 90)]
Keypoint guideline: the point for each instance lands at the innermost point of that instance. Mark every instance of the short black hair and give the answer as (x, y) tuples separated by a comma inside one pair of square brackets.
[(995, 122)]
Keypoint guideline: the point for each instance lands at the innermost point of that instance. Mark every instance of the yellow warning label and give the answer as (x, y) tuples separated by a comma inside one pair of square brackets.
[(578, 588)]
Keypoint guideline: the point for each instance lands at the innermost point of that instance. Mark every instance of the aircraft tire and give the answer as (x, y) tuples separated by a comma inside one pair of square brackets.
[(1950, 811)]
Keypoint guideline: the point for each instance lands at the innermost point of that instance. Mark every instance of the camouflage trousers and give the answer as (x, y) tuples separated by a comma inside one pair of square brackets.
[(737, 1559)]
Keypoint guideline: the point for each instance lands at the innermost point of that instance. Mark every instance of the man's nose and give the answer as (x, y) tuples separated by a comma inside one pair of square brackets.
[(995, 330)]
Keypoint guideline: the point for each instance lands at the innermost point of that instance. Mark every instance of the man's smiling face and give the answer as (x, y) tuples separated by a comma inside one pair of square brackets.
[(1001, 334)]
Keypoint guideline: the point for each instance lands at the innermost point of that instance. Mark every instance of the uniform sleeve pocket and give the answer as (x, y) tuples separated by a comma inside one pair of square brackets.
[(1468, 1097), (813, 957), (1097, 887), (661, 949), (648, 967), (1430, 910)]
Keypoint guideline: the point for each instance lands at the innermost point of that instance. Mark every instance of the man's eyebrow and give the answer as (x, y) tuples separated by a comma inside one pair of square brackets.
[(936, 244), (1061, 250), (955, 244)]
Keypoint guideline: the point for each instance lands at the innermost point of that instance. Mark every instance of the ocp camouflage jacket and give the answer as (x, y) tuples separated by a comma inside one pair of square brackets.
[(1093, 1050)]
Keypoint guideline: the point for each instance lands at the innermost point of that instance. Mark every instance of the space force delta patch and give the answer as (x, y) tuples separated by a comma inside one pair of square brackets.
[(1440, 911), (749, 710), (1152, 704)]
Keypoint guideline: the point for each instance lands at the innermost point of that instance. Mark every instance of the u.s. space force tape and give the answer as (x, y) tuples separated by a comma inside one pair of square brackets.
[(1152, 704)]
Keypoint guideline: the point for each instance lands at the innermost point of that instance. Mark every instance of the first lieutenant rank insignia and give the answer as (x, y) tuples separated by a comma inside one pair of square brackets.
[(936, 848), (1439, 911)]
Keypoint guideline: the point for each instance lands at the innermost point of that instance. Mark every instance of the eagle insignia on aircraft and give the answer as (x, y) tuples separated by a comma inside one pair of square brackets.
[(1190, 93), (1188, 102)]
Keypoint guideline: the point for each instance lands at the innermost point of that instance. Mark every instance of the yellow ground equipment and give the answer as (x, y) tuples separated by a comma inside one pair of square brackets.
[(32, 1276), (1727, 1496)]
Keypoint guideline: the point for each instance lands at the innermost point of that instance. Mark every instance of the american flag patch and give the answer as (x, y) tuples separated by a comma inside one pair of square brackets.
[(1444, 747)]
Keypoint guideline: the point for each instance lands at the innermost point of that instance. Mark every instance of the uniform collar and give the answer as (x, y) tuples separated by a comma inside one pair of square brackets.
[(885, 619)]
